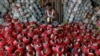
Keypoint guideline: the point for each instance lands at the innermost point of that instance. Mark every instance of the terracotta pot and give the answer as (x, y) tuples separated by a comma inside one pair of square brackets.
[(49, 27), (61, 33), (7, 16), (30, 34), (58, 49), (66, 41), (7, 35), (8, 53), (29, 27), (8, 20), (98, 42), (53, 42), (94, 46), (9, 48), (65, 54), (16, 42), (20, 37), (53, 36), (8, 29), (55, 31), (24, 31), (59, 41), (26, 40), (55, 54), (38, 46), (26, 23), (46, 51), (49, 32), (86, 37), (2, 51), (21, 46), (60, 27), (31, 53), (29, 47), (19, 27), (74, 34), (76, 54), (91, 54), (44, 34), (14, 20), (79, 38), (76, 44), (75, 27), (31, 23), (10, 40), (9, 24), (2, 42), (18, 52), (69, 36), (14, 34), (85, 50), (36, 39), (43, 26), (97, 52), (66, 26), (45, 38), (46, 43), (37, 31), (39, 52)]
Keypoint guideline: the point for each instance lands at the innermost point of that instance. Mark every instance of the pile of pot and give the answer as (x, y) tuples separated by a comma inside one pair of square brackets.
[(76, 10), (26, 10), (31, 39)]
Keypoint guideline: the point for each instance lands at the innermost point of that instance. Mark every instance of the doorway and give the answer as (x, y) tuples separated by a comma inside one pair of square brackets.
[(58, 6)]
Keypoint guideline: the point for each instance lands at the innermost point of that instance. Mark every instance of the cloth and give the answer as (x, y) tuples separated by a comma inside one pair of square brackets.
[(50, 15)]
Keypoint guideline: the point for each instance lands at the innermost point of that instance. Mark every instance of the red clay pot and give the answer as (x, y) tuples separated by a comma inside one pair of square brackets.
[(31, 53), (2, 51), (10, 48), (29, 47), (2, 42), (91, 54), (46, 43), (66, 41), (15, 43), (53, 42), (55, 31), (10, 40), (14, 34), (46, 51), (58, 49), (21, 46), (38, 46), (24, 31), (14, 20), (30, 34), (26, 40), (97, 52), (53, 36), (59, 41), (18, 52), (20, 37)]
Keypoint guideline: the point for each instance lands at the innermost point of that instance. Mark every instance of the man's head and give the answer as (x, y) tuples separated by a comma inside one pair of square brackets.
[(48, 6)]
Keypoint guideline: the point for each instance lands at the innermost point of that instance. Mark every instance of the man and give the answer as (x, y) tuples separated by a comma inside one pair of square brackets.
[(50, 15)]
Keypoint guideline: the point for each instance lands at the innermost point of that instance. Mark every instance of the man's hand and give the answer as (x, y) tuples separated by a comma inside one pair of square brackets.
[(49, 20)]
